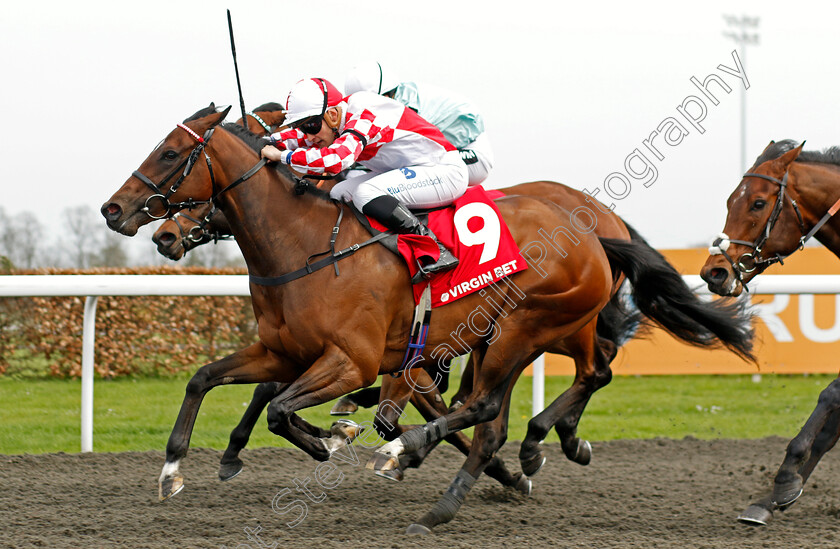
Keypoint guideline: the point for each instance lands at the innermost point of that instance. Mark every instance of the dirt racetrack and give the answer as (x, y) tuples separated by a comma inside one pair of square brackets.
[(646, 494)]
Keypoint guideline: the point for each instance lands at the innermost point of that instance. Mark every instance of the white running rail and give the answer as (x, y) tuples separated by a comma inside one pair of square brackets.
[(93, 286)]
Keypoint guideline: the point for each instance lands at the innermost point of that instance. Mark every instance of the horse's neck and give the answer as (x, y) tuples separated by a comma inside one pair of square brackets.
[(275, 229), (817, 190)]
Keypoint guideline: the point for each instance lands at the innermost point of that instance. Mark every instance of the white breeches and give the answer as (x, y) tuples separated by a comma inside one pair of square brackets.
[(414, 186)]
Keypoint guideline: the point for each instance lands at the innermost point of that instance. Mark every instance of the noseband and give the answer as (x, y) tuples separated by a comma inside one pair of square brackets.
[(199, 232)]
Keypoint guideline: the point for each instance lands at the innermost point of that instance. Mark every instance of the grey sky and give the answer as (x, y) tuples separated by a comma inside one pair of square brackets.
[(89, 88)]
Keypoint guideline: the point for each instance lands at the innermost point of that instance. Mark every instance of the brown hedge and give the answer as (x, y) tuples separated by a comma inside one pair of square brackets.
[(142, 335)]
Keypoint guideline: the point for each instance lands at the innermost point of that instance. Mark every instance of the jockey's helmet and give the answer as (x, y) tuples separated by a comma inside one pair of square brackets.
[(310, 97), (369, 76)]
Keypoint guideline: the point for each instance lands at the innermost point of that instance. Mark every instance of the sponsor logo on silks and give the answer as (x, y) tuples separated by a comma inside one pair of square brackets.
[(479, 281), (409, 174), (468, 156)]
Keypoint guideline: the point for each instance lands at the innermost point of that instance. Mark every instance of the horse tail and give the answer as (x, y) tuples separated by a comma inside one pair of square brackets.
[(663, 297), (620, 320)]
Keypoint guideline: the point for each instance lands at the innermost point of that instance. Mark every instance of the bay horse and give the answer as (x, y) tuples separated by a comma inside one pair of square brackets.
[(559, 304), (710, 323), (787, 197), (328, 335)]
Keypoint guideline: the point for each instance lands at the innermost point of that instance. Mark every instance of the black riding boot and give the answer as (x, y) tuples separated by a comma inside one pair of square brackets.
[(393, 214)]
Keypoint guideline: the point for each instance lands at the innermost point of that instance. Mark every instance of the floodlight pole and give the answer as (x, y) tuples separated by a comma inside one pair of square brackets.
[(742, 37)]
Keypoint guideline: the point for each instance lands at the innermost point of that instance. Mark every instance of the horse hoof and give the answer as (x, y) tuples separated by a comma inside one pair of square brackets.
[(382, 464), (584, 452), (455, 405), (346, 429), (344, 407), (523, 485), (418, 530), (785, 494), (755, 515), (390, 474), (229, 470), (532, 466), (170, 487), (788, 499)]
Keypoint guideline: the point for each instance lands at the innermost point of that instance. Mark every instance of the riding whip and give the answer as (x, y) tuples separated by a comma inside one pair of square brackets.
[(236, 68)]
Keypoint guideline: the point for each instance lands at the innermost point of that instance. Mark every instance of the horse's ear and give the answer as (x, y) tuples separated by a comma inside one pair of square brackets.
[(216, 118), (786, 159)]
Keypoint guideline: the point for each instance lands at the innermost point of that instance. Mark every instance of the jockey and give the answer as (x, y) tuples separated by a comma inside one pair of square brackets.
[(458, 119), (411, 163)]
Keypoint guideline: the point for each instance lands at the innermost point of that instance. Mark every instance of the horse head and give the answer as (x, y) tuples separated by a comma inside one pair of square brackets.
[(185, 231), (763, 225), (160, 186), (265, 119)]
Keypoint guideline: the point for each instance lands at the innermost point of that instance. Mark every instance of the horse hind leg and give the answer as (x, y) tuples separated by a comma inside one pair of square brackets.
[(431, 406), (487, 440), (592, 373)]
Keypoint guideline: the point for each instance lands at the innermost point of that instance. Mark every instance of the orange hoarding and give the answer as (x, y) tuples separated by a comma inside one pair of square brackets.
[(796, 333)]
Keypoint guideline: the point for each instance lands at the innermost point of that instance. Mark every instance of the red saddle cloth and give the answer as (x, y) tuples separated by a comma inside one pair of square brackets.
[(473, 229)]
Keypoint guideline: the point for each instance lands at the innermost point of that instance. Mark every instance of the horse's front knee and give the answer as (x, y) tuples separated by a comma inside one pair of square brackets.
[(278, 417)]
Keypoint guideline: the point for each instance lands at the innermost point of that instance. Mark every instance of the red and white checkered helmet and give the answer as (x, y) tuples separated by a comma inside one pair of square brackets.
[(310, 97), (369, 76)]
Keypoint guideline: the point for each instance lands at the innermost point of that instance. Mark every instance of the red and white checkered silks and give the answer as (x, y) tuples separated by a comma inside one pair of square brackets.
[(396, 138)]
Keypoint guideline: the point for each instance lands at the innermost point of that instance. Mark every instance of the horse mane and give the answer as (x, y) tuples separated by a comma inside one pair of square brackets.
[(257, 142), (271, 106), (251, 139), (831, 155)]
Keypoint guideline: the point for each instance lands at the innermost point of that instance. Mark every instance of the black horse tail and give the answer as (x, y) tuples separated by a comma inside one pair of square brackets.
[(663, 297), (620, 320)]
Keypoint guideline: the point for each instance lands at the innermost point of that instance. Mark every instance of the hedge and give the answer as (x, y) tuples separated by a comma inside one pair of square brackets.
[(137, 335)]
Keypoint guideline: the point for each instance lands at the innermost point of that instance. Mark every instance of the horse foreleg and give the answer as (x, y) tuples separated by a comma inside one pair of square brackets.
[(349, 404), (231, 465), (789, 479), (254, 364), (331, 376), (761, 511)]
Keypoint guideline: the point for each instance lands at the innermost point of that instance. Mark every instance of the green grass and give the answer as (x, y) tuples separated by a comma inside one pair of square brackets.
[(42, 415)]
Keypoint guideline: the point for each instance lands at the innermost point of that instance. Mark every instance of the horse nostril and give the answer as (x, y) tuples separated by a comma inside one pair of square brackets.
[(717, 275), (111, 211), (165, 239)]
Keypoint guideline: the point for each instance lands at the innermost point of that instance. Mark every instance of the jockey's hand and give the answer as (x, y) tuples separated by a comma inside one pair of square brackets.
[(272, 153)]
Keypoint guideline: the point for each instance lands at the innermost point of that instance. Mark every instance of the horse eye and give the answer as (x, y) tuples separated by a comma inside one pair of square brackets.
[(170, 155), (758, 204)]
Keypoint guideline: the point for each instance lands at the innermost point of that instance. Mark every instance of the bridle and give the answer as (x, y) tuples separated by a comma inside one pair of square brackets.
[(752, 260), (188, 164), (199, 232), (261, 122)]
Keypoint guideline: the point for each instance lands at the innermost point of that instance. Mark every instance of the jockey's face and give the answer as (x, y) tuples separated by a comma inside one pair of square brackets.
[(326, 135)]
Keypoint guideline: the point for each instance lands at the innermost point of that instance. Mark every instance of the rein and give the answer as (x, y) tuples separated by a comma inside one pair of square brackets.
[(753, 259), (301, 186)]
